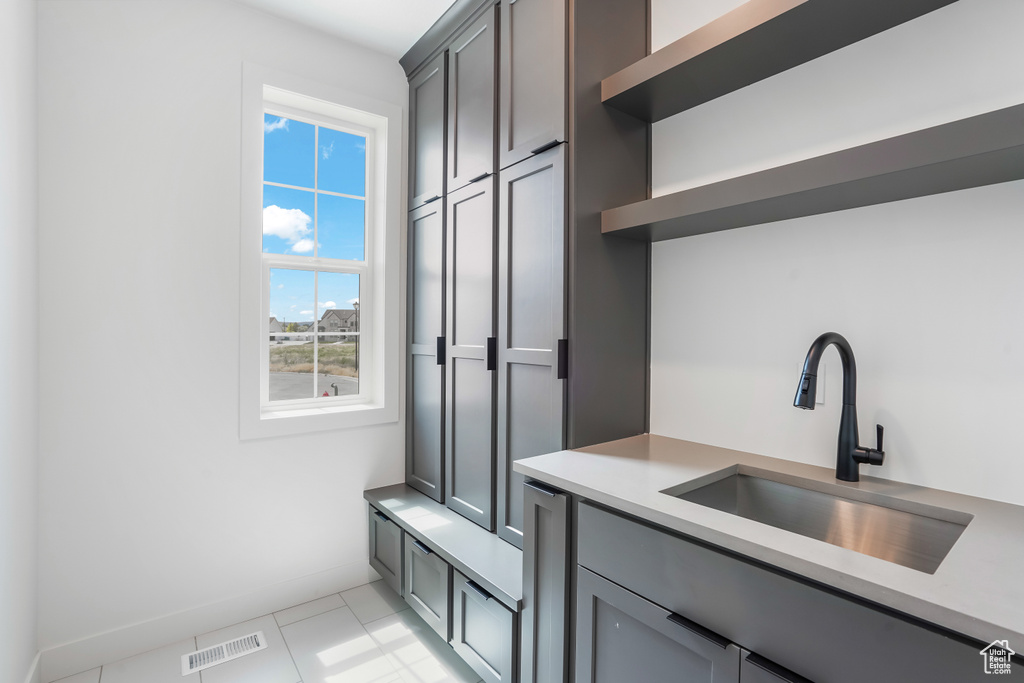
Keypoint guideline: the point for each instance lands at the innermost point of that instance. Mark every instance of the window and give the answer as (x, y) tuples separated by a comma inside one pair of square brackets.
[(319, 269), (315, 173)]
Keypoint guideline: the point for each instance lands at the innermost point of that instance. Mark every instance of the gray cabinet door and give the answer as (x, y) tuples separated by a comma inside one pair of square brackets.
[(424, 460), (619, 634), (472, 91), (533, 77), (469, 386), (545, 628), (427, 585), (483, 631), (427, 99), (386, 548), (531, 320)]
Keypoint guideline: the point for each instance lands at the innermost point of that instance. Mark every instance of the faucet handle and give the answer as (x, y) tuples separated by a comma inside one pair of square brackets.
[(871, 456)]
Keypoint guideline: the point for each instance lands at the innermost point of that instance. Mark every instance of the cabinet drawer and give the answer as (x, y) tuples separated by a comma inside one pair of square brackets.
[(813, 631), (619, 633), (427, 585), (483, 631), (386, 548)]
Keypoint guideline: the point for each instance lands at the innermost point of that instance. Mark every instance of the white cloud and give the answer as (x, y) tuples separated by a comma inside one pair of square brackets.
[(326, 304), (305, 312), (280, 286), (327, 151), (354, 301), (271, 126), (291, 225), (303, 246)]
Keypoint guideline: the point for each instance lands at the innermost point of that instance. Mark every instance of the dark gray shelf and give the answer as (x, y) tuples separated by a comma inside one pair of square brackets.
[(756, 40), (971, 152)]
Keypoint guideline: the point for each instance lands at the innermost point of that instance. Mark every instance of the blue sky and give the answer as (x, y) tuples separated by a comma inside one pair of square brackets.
[(291, 156)]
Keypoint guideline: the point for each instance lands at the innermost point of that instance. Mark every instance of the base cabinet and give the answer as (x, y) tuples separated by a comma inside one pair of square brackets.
[(483, 631), (619, 635), (386, 548), (427, 585), (546, 585)]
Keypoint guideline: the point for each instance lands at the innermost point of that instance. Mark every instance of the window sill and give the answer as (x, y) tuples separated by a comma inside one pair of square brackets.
[(272, 423)]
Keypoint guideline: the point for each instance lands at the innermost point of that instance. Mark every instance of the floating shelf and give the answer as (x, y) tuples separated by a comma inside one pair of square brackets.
[(754, 41), (971, 152)]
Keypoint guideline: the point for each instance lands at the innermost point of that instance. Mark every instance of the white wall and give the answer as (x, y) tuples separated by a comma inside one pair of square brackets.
[(928, 291), (18, 355), (152, 512)]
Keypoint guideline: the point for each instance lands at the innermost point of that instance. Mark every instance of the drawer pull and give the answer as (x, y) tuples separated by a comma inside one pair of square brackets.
[(699, 630), (545, 147), (478, 590), (422, 548), (480, 177), (562, 371), (492, 353), (432, 199), (381, 516), (775, 670), (540, 488)]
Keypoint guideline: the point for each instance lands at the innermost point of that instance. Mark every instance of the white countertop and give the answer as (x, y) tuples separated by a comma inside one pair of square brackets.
[(977, 591)]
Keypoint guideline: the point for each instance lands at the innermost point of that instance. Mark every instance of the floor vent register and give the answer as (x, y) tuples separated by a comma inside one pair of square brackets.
[(225, 652)]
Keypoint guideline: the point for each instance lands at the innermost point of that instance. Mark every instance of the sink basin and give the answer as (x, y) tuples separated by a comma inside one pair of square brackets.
[(909, 534)]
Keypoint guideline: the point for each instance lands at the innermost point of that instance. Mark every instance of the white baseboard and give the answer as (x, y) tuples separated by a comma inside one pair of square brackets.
[(33, 671), (81, 655)]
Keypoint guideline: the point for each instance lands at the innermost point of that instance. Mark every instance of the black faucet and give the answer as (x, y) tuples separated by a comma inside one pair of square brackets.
[(850, 455)]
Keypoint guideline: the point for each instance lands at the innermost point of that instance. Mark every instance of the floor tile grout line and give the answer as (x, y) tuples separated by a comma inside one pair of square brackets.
[(289, 647), (343, 604)]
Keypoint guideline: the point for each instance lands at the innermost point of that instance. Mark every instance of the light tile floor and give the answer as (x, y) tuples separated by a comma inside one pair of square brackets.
[(363, 635)]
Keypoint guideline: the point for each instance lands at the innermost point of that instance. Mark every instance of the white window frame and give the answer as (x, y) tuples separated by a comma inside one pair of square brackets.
[(380, 369)]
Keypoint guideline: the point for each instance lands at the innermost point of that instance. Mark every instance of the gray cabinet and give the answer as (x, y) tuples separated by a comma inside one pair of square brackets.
[(386, 548), (424, 464), (427, 100), (619, 634), (544, 617), (820, 633), (470, 386), (427, 585), (533, 77), (483, 631), (472, 91), (531, 321)]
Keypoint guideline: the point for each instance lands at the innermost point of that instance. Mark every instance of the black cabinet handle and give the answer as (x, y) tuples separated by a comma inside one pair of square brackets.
[(540, 488), (545, 147), (479, 177), (775, 670), (381, 516), (492, 353), (432, 199), (441, 350), (699, 630), (563, 359), (422, 548), (478, 590)]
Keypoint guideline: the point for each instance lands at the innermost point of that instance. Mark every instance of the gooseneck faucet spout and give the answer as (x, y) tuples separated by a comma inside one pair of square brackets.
[(850, 455)]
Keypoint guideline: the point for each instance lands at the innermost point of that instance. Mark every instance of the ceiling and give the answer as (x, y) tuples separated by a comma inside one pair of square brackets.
[(388, 26)]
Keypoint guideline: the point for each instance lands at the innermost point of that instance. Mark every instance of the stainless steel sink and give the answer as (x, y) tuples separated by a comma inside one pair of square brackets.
[(910, 534)]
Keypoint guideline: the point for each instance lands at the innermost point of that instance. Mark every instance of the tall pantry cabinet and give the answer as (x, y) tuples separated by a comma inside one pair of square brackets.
[(527, 328)]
